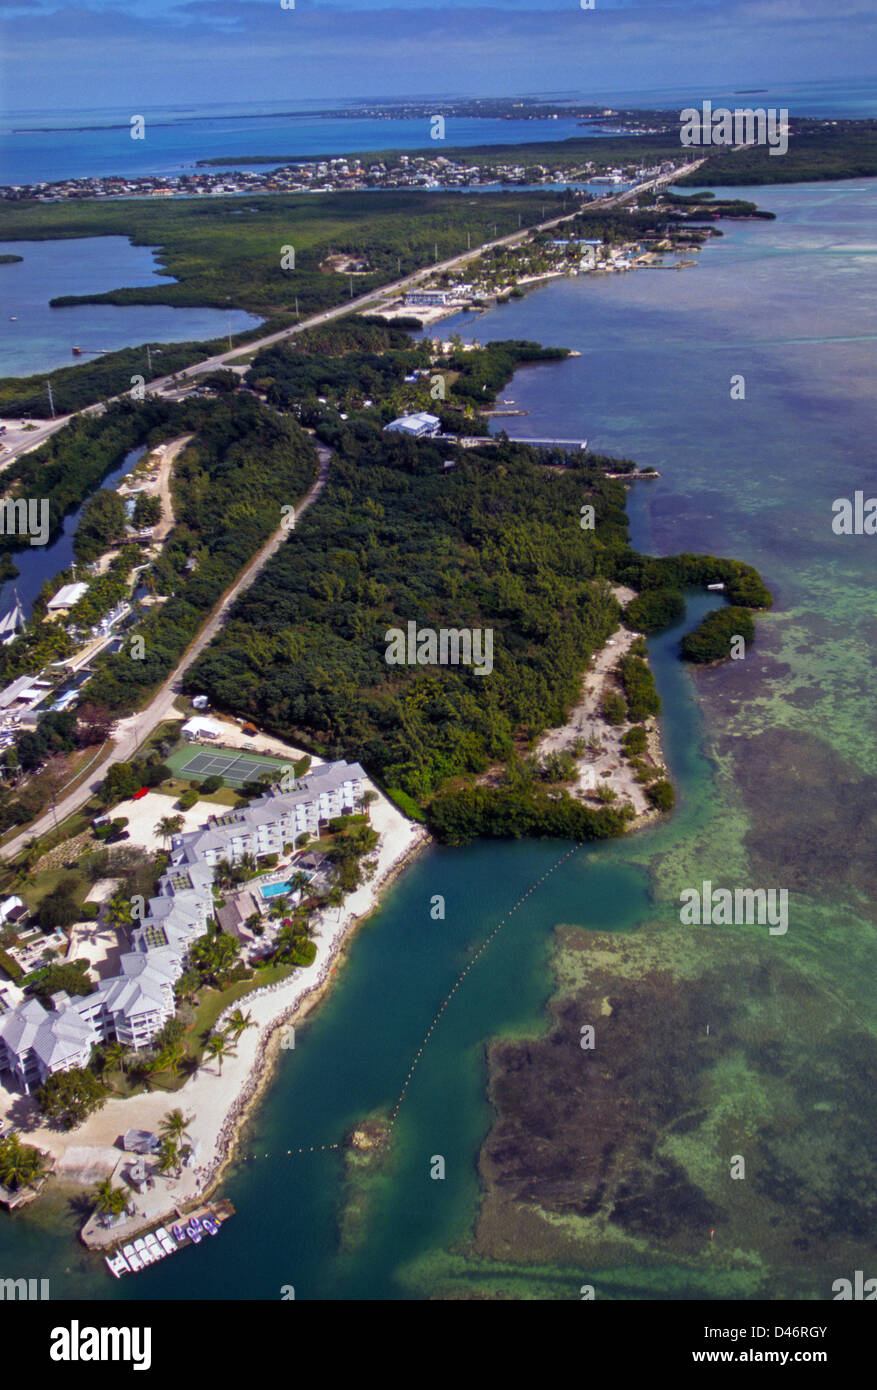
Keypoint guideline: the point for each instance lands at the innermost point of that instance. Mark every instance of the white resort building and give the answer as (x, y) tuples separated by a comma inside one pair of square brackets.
[(133, 1006)]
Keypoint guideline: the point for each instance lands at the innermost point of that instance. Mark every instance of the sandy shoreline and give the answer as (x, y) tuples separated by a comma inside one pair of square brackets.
[(220, 1103), (608, 767)]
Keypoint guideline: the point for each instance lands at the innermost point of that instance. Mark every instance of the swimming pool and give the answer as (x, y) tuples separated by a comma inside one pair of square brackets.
[(275, 890)]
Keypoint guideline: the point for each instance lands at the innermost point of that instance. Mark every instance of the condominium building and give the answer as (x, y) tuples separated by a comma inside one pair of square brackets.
[(133, 1005)]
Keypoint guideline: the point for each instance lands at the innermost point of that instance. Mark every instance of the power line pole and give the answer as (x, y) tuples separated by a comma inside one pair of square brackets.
[(149, 360), (51, 401), (296, 306)]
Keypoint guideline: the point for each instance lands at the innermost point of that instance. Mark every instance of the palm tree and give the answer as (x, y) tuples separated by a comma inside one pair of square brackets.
[(168, 1156), (367, 799), (222, 874), (170, 1058), (115, 1056), (174, 1125), (109, 1200), (219, 1047), (169, 826), (146, 1069), (238, 1023), (21, 1165)]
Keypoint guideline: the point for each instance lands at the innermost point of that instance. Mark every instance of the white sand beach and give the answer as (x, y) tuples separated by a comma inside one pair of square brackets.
[(608, 767), (218, 1102)]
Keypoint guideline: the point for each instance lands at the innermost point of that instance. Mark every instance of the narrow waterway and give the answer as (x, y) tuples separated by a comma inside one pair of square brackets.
[(774, 760), (35, 337)]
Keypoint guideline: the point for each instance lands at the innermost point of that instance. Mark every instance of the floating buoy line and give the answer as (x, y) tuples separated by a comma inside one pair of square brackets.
[(328, 1148)]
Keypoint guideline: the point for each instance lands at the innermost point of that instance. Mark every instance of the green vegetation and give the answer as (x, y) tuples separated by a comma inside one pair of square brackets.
[(124, 779), (662, 795), (357, 360), (458, 816), (406, 804), (844, 150), (67, 1098), (72, 978), (634, 741), (743, 584), (60, 908), (21, 1165), (72, 464), (711, 639), (639, 686), (8, 258), (74, 388), (231, 482), (147, 510), (10, 967), (227, 252), (101, 525), (615, 708), (494, 544), (654, 610)]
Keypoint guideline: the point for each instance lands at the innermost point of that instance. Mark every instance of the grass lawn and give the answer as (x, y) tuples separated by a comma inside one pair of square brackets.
[(213, 1001), (38, 886), (175, 786)]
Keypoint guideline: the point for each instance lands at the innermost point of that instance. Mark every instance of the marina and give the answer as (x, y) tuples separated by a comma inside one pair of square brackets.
[(157, 1244)]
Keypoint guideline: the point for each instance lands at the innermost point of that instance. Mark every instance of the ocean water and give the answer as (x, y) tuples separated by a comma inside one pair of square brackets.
[(34, 337), (34, 149), (775, 760), (39, 146)]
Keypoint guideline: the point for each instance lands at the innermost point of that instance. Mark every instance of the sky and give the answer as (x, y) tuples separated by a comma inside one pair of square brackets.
[(101, 53)]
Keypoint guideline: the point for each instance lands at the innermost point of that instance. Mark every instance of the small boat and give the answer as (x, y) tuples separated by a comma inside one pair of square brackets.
[(134, 1260), (178, 1233), (154, 1247), (210, 1226), (13, 318), (77, 352), (117, 1265), (143, 1251), (194, 1232), (167, 1243)]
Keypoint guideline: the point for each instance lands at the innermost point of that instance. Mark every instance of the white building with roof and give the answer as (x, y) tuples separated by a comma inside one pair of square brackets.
[(134, 1005), (420, 425), (271, 822), (199, 727), (66, 597)]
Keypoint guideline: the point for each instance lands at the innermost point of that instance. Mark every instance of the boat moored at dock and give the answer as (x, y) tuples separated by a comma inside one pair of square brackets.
[(157, 1244)]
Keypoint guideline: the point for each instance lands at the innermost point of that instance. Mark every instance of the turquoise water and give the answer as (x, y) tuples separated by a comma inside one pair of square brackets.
[(42, 337), (39, 145), (275, 890), (774, 758)]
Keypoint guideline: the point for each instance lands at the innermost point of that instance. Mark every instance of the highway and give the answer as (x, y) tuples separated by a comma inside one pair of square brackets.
[(132, 732), (19, 442)]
